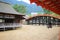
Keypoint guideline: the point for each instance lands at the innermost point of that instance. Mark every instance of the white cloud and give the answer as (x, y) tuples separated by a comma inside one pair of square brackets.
[(18, 0), (34, 13), (33, 3), (27, 1)]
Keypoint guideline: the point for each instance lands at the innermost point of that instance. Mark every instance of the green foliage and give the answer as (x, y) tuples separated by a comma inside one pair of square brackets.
[(20, 8), (48, 11), (29, 14), (39, 13)]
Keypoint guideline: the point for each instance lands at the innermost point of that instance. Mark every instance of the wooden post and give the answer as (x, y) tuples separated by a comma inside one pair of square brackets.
[(39, 20), (35, 20), (42, 20), (49, 23), (32, 21), (28, 22), (46, 20)]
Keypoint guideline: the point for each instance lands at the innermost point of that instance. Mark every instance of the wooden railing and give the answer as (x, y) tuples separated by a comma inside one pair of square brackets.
[(2, 25)]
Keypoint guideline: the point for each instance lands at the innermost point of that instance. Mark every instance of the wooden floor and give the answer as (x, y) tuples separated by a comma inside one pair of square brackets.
[(29, 32)]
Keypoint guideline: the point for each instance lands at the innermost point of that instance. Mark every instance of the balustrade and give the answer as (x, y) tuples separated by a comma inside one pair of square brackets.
[(2, 25)]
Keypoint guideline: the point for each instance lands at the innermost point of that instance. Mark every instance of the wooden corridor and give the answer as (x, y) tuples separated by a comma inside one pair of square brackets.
[(44, 20)]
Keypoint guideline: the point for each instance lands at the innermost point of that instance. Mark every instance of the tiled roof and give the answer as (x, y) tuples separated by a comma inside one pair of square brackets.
[(58, 17), (7, 8)]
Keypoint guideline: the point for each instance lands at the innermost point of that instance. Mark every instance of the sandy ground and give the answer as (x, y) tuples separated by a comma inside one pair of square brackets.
[(29, 32)]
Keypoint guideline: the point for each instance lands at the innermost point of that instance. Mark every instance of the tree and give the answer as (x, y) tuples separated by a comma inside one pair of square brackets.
[(47, 11), (20, 8), (50, 12)]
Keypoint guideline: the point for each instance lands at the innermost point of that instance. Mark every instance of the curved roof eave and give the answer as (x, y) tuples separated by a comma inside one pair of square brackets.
[(58, 17), (7, 8)]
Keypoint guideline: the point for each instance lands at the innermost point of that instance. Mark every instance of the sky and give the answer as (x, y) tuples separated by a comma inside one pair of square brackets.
[(27, 1)]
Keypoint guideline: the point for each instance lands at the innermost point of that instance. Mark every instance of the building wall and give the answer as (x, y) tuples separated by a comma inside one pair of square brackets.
[(9, 20)]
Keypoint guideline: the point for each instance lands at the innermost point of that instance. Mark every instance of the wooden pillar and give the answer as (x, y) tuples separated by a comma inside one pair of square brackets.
[(46, 20), (39, 20), (32, 21), (35, 20), (28, 22), (58, 22), (54, 21), (49, 23), (42, 20)]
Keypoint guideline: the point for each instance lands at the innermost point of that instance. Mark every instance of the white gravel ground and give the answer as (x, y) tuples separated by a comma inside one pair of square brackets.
[(29, 32)]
